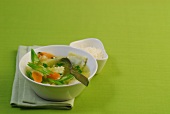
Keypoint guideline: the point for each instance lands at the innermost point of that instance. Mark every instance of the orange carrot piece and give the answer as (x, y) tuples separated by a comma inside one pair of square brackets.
[(48, 55), (37, 76), (54, 76)]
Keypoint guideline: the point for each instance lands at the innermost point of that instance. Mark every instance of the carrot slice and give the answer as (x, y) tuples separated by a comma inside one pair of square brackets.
[(37, 76), (54, 76), (48, 55)]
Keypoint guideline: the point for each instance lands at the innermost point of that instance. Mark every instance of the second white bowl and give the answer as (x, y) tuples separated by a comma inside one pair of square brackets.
[(96, 43)]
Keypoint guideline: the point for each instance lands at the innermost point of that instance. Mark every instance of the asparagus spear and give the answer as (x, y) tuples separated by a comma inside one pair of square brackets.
[(34, 57), (39, 68)]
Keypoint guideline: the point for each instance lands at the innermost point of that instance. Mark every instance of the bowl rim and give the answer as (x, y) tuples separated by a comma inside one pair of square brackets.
[(68, 85), (93, 39)]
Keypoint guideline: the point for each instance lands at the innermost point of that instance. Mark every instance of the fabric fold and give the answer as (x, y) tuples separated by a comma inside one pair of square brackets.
[(22, 94)]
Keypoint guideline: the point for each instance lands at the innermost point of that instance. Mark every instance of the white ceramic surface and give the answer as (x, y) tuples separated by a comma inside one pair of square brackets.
[(58, 92), (92, 42)]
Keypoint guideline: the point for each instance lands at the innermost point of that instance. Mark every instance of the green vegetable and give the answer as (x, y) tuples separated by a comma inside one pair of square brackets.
[(45, 65), (29, 74), (34, 57), (51, 81), (66, 78), (57, 82), (59, 64), (78, 69), (39, 68), (62, 80)]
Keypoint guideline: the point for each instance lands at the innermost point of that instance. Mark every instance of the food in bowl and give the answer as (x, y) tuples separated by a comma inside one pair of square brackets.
[(95, 52), (50, 69), (58, 92)]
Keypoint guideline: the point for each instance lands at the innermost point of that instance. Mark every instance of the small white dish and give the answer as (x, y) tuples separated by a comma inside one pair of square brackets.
[(95, 43)]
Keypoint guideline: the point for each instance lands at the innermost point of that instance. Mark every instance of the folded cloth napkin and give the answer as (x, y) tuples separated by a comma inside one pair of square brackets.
[(22, 94)]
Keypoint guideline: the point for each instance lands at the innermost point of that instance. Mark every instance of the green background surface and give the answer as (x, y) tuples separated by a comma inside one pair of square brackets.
[(136, 36)]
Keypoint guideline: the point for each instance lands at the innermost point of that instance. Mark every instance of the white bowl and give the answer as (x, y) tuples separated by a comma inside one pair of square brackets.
[(92, 42), (58, 92)]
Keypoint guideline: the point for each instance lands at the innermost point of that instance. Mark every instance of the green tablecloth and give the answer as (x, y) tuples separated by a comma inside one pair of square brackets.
[(136, 35)]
